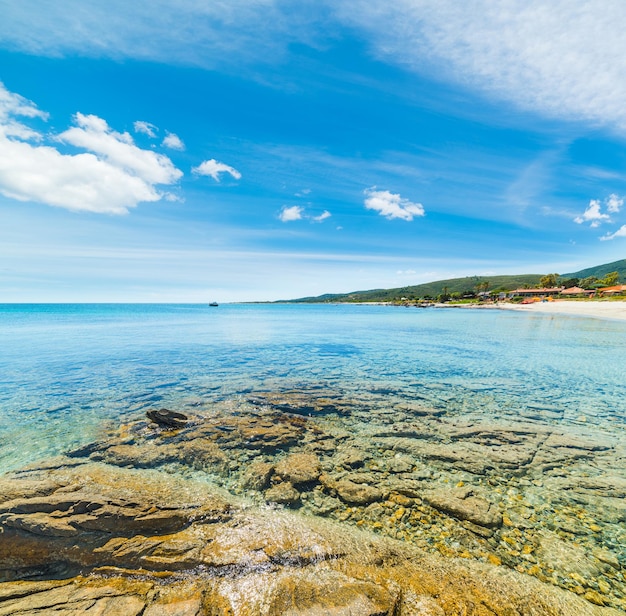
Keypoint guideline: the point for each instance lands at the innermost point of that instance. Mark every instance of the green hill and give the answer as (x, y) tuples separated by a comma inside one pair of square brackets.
[(462, 286), (468, 285), (600, 271)]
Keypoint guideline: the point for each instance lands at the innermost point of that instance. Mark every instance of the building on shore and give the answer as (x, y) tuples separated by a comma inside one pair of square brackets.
[(536, 293)]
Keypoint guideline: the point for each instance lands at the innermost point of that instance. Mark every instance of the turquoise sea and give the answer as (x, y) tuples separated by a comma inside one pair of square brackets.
[(492, 435), (67, 371)]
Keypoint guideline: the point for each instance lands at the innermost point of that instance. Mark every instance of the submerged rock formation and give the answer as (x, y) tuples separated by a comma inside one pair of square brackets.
[(90, 538), (308, 503)]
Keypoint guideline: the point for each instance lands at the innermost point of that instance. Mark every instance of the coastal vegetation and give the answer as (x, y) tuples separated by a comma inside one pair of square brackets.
[(470, 288)]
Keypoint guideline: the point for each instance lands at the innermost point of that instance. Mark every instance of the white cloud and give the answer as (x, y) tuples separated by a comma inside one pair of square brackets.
[(323, 216), (146, 128), (93, 133), (110, 175), (289, 214), (214, 168), (196, 33), (13, 105), (392, 205), (594, 213), (297, 212), (173, 142), (614, 203), (559, 58), (621, 232), (591, 213)]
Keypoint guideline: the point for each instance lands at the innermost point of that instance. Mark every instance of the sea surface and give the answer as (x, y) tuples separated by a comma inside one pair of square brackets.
[(67, 372), (491, 435)]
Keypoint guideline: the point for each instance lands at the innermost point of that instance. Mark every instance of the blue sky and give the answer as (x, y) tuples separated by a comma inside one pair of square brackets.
[(265, 149)]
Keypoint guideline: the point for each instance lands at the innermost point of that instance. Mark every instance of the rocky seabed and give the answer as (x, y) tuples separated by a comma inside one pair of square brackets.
[(305, 503)]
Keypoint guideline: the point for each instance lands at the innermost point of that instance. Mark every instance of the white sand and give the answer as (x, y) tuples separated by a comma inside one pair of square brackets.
[(598, 309)]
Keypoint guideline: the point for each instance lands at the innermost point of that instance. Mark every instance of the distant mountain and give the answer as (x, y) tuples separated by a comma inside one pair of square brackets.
[(469, 285)]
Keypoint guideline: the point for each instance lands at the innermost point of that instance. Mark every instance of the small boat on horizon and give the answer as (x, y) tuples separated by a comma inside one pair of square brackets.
[(214, 304)]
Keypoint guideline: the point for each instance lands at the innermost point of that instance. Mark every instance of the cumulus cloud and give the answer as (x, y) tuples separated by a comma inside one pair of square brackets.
[(289, 214), (174, 142), (297, 212), (146, 128), (392, 205), (614, 203), (110, 174), (214, 168), (621, 232), (93, 133), (594, 214)]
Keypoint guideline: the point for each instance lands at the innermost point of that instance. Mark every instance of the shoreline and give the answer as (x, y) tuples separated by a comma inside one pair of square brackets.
[(613, 310)]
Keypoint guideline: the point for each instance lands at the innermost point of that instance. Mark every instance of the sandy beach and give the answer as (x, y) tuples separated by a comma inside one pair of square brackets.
[(597, 309)]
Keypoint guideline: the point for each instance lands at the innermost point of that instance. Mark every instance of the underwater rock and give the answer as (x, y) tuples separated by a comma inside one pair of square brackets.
[(167, 419), (257, 475), (462, 504), (304, 593), (351, 458), (142, 537), (299, 468), (353, 493), (283, 493), (570, 559), (271, 434)]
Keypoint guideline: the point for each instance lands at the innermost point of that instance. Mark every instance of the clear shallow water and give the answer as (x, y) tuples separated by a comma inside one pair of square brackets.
[(68, 371)]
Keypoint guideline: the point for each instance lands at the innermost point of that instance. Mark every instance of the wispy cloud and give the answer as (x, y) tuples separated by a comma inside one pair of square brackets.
[(145, 128), (214, 168), (621, 232), (174, 142), (13, 106), (391, 205), (204, 34), (562, 59), (110, 174), (323, 216), (289, 214)]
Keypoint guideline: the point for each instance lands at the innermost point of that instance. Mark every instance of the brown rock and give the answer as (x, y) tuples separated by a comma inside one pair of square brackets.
[(462, 504), (257, 476), (283, 493), (299, 468), (357, 493), (352, 458), (307, 593), (100, 600), (189, 607)]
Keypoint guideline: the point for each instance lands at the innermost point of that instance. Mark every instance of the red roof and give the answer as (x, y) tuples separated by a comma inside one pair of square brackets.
[(554, 290), (576, 291)]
